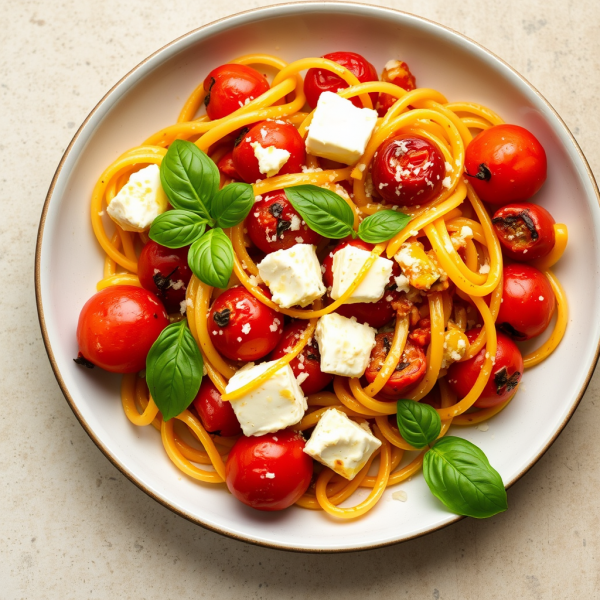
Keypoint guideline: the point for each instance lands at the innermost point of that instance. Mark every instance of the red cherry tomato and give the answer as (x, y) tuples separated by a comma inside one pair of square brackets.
[(318, 81), (398, 73), (506, 372), (165, 272), (268, 133), (307, 365), (117, 327), (216, 416), (273, 224), (528, 302), (421, 334), (505, 163), (525, 230), (270, 472), (229, 87), (241, 327), (409, 370), (408, 170), (226, 167)]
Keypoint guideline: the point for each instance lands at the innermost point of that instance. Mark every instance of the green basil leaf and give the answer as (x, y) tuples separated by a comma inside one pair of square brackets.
[(177, 228), (232, 204), (324, 211), (459, 474), (189, 178), (419, 423), (174, 369), (211, 258), (382, 226)]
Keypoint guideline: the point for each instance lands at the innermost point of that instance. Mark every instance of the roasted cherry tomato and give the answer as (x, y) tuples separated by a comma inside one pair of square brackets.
[(408, 170), (528, 302), (318, 81), (506, 372), (409, 370), (375, 314), (216, 416), (525, 230), (226, 167), (241, 327), (117, 327), (165, 272), (421, 334), (307, 365), (273, 224), (398, 73), (270, 472), (279, 134), (230, 87), (505, 163)]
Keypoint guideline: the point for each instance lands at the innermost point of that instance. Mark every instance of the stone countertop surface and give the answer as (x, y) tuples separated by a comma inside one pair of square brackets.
[(71, 526)]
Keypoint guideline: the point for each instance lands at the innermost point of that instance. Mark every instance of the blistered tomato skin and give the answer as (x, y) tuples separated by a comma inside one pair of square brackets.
[(318, 81), (525, 230), (505, 164), (528, 302), (268, 133), (216, 416), (408, 170), (274, 224), (506, 372), (307, 362), (229, 87), (117, 327), (270, 472), (409, 370), (241, 327), (375, 314), (226, 167), (398, 73), (166, 273)]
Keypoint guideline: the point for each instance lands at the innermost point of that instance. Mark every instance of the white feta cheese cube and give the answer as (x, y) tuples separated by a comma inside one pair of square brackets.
[(341, 444), (339, 130), (270, 159), (347, 262), (345, 345), (274, 405), (139, 201), (293, 275)]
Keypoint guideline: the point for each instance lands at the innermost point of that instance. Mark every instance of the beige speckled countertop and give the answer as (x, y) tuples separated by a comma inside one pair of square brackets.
[(71, 526)]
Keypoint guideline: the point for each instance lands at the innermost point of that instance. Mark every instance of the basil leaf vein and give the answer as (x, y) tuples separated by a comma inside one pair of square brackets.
[(177, 228), (211, 258), (419, 424), (459, 474), (232, 204), (382, 226), (189, 178), (324, 211), (174, 369)]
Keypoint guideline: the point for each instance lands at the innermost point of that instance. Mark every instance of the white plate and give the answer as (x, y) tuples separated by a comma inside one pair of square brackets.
[(69, 261)]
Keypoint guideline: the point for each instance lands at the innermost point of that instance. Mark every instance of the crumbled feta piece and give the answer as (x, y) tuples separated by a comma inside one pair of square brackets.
[(302, 377), (246, 327), (345, 345), (447, 182), (341, 444), (293, 275), (483, 426), (347, 262), (484, 269), (270, 159), (402, 284), (339, 130), (139, 201), (400, 495), (274, 405)]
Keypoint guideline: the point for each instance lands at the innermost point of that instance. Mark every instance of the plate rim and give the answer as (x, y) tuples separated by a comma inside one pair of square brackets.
[(338, 5)]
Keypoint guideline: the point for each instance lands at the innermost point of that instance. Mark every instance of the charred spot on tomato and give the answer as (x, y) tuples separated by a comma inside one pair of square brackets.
[(163, 283), (511, 332), (521, 226), (221, 318), (83, 361), (240, 137), (401, 366), (155, 316), (387, 345), (483, 173), (503, 382), (312, 356), (276, 209), (207, 97)]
